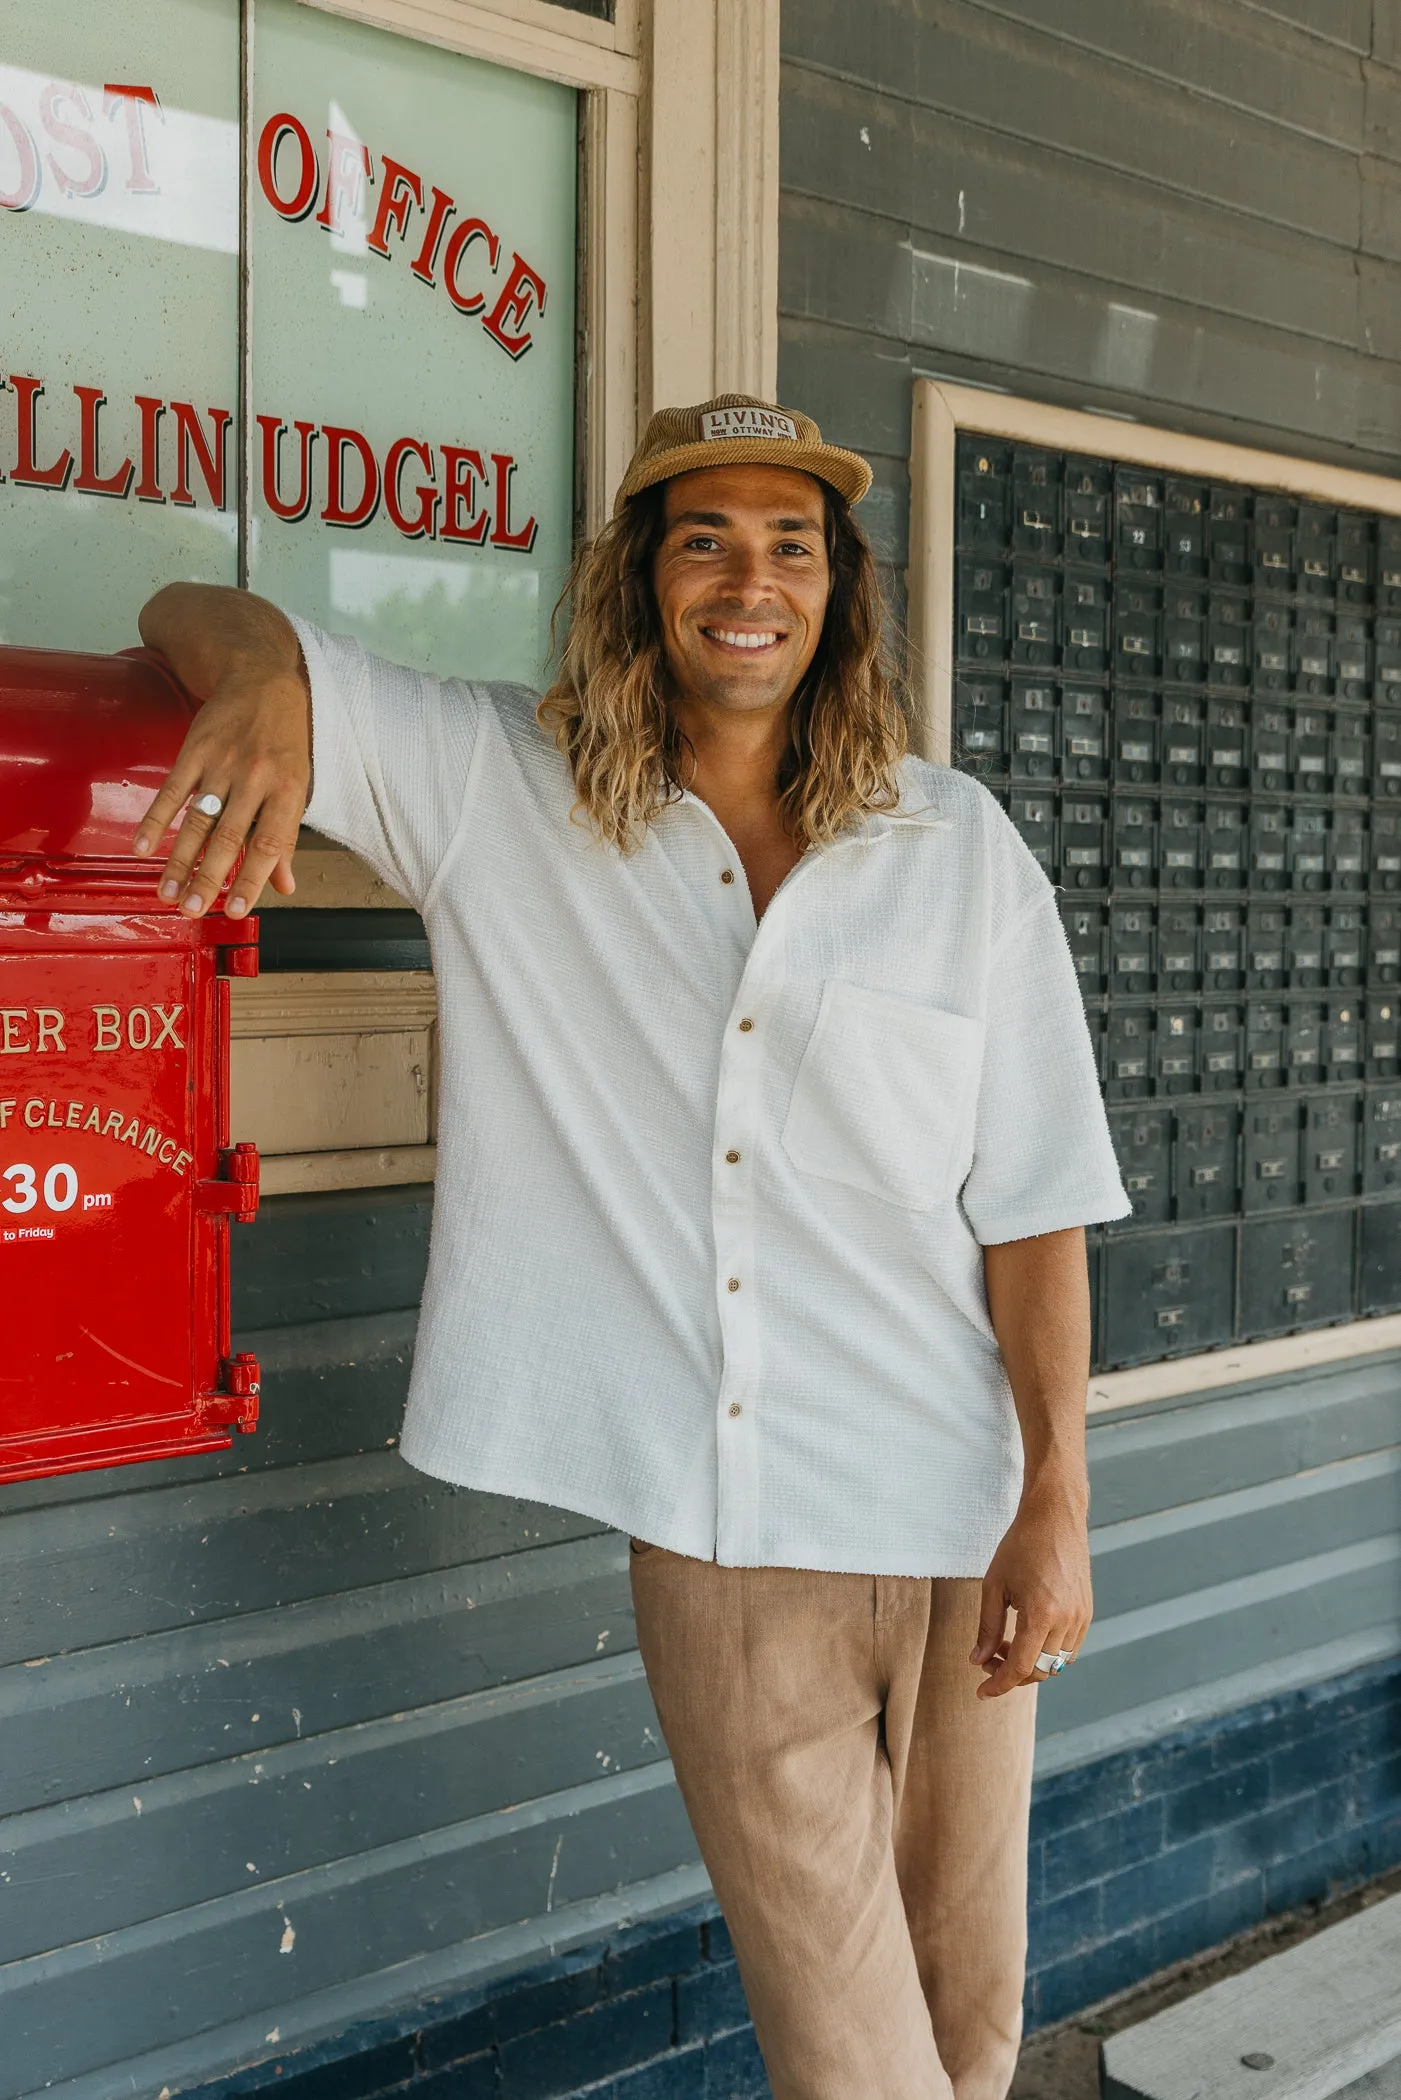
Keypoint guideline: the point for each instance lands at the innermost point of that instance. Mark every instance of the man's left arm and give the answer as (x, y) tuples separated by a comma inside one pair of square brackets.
[(1039, 1301)]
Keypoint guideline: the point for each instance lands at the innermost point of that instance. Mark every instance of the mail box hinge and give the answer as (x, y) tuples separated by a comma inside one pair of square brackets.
[(235, 1191), (234, 1404)]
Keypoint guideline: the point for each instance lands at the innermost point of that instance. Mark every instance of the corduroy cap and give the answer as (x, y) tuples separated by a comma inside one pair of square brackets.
[(735, 430)]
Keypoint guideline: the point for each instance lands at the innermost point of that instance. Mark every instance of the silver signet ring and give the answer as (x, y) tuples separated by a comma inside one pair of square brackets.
[(210, 805)]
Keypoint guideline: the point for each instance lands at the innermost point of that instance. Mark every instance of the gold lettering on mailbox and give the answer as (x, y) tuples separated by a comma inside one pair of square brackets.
[(50, 1022), (138, 1028), (12, 1022), (168, 1019), (109, 1027)]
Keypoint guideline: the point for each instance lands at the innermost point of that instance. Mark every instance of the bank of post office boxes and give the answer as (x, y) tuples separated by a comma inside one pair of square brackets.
[(1315, 551), (1383, 943), (1175, 1047), (1228, 536), (1345, 944), (1342, 1043), (1084, 840), (1087, 935), (1271, 1177), (1035, 614), (984, 495), (1266, 947), (1296, 1272), (1379, 1260), (1332, 1139), (980, 726), (1085, 623), (1265, 1064), (1184, 635), (1130, 1053), (1181, 830), (1381, 1140), (1184, 527), (1227, 744), (1031, 729), (1138, 520), (1269, 845), (1303, 1041), (1304, 948), (1084, 733), (1226, 845), (1229, 641), (1088, 505), (981, 609), (1222, 1053), (1385, 853), (1388, 564), (1223, 947), (1311, 754), (1183, 740), (1348, 850), (1272, 649), (1137, 738), (1132, 949), (1356, 559), (1274, 545), (1179, 948), (1270, 727), (1381, 1025), (1205, 1160), (1168, 1293), (1354, 658), (1138, 629), (1134, 829), (1143, 1147), (1035, 818), (1036, 502), (1314, 654)]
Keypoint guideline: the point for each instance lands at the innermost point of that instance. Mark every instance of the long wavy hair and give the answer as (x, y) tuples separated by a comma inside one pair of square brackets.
[(607, 708)]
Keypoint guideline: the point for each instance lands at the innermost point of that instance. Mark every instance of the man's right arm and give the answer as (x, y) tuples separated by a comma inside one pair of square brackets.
[(250, 744)]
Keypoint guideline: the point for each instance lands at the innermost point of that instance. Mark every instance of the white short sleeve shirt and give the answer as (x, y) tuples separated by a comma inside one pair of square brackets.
[(712, 1197)]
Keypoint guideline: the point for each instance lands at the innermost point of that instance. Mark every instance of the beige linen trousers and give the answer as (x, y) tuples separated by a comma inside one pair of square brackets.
[(862, 1816)]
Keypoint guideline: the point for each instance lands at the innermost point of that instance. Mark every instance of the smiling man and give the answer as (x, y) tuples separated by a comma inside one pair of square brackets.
[(768, 1130)]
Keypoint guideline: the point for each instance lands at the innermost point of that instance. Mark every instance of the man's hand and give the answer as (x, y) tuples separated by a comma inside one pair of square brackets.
[(1039, 1303), (250, 744), (1041, 1571)]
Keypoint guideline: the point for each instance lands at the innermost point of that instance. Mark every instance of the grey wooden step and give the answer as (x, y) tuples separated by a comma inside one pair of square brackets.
[(1319, 2022)]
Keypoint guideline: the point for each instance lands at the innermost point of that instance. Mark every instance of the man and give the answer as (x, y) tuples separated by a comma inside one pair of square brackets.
[(769, 1127)]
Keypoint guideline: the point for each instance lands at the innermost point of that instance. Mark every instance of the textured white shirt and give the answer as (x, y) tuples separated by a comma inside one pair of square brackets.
[(711, 1198)]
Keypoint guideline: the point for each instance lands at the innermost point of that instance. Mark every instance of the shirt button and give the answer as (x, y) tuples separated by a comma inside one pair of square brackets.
[(735, 1408), (732, 1158), (733, 1283), (727, 875), (745, 1026)]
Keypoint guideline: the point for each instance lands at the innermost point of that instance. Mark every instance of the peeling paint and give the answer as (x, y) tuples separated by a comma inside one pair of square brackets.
[(554, 1869), (289, 1938)]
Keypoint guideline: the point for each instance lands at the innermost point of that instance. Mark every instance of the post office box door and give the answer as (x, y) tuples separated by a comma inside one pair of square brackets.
[(1223, 944), (984, 493), (1143, 1146), (1084, 748), (1380, 1259), (1227, 744), (1270, 726), (1385, 851), (1223, 1048), (1383, 943), (1303, 1041), (1035, 818), (1085, 623), (1344, 944), (1354, 666), (1184, 636), (980, 616), (1138, 520), (1314, 654), (1032, 729), (1179, 948), (1305, 945), (1035, 614), (1347, 854), (1137, 741), (1295, 1272), (1269, 846), (1226, 845), (1270, 1175), (1036, 503), (1272, 649), (1356, 560), (1184, 528), (1230, 649), (1084, 848), (1175, 1048), (1342, 1038), (1088, 504), (980, 727), (1332, 1142), (1389, 563), (1181, 828), (1381, 1140), (1266, 947), (1315, 551), (1381, 1029), (1132, 949), (1208, 1139), (1274, 545), (1130, 1053), (1138, 629), (1228, 543), (1312, 756), (1135, 842), (1310, 843), (1386, 746), (1386, 636), (1183, 740), (1087, 932), (1168, 1293)]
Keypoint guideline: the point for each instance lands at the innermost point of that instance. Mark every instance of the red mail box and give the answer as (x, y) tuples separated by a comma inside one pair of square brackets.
[(117, 1178)]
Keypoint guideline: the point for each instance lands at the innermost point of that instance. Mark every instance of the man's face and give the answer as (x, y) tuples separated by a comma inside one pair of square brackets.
[(742, 581)]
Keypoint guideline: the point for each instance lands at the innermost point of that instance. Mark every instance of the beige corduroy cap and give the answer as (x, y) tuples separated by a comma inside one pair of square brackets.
[(735, 430)]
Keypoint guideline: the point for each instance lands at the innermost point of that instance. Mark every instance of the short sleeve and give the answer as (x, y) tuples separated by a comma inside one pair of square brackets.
[(391, 755), (1042, 1156)]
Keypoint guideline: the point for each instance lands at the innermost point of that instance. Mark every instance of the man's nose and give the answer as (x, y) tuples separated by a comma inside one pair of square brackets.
[(748, 577)]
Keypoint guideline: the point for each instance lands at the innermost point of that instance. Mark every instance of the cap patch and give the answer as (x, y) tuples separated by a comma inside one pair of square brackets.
[(747, 423)]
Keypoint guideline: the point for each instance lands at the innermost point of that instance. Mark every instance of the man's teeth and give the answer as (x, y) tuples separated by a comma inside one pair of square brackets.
[(742, 638)]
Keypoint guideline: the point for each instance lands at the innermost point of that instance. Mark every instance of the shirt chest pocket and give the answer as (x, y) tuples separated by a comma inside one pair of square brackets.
[(885, 1097)]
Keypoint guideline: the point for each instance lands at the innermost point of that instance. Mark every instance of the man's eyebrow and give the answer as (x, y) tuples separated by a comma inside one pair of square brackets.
[(719, 517)]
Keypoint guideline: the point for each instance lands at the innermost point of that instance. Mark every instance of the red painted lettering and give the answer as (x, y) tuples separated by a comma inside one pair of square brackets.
[(148, 488), (337, 511), (303, 198), (346, 163), (189, 436), (504, 468), (26, 468), (27, 181), (291, 513), (463, 236), (400, 189), (423, 263), (462, 470), (92, 179), (506, 319), (422, 525), (128, 102), (88, 477)]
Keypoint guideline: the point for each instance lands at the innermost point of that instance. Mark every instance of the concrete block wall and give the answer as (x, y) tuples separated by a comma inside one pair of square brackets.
[(1137, 1861)]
